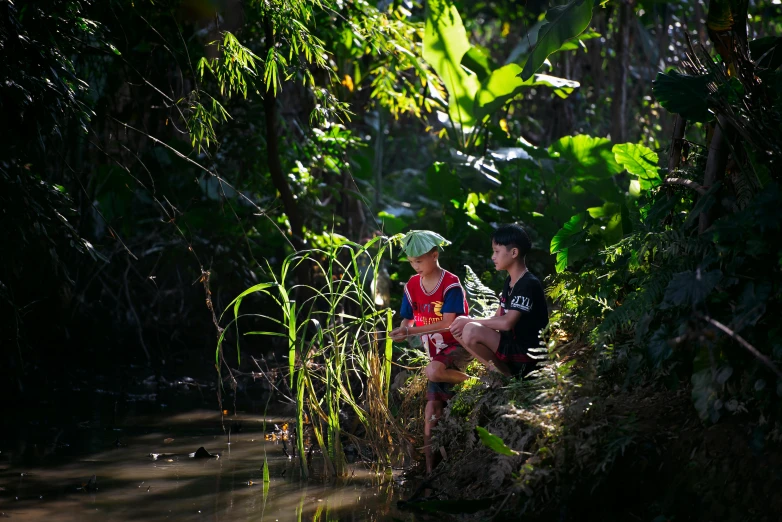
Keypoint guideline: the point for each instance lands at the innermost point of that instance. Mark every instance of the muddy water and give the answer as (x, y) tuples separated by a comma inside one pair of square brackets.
[(131, 485)]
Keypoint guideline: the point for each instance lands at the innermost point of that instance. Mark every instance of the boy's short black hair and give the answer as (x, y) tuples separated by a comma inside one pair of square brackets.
[(513, 236)]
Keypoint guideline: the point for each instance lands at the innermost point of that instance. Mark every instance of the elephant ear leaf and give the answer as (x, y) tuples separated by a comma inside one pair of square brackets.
[(684, 95), (639, 161), (569, 235), (505, 83), (563, 23), (445, 46)]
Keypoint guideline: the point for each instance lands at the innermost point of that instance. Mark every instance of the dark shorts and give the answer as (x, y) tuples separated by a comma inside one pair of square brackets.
[(515, 356), (454, 358)]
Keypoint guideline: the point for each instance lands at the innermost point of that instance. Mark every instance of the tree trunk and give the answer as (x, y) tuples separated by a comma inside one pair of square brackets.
[(273, 152), (619, 105), (715, 170), (378, 163), (677, 141)]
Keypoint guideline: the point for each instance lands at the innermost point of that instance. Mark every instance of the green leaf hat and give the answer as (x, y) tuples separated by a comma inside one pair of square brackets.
[(418, 242)]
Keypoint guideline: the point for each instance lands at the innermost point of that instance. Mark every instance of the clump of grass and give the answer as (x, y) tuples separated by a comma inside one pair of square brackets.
[(339, 352)]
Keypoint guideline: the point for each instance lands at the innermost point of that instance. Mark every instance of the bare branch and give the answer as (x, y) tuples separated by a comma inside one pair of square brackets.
[(686, 183), (743, 342)]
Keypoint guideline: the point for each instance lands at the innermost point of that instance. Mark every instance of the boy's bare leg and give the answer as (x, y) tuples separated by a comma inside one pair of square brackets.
[(482, 342), (438, 372), (432, 414)]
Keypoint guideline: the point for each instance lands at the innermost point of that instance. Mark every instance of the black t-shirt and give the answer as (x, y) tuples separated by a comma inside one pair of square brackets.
[(527, 298)]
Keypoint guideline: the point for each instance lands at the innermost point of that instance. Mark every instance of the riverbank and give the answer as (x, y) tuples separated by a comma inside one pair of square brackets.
[(586, 447)]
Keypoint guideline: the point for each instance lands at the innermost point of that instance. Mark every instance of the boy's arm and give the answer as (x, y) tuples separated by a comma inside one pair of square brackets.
[(398, 334), (520, 302), (407, 329), (500, 323), (453, 306), (451, 309), (442, 324)]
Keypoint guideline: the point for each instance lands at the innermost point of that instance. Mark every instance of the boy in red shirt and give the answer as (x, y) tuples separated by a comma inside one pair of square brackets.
[(433, 298)]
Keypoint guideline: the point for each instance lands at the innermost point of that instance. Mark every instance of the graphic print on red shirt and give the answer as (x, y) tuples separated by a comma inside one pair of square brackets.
[(427, 308)]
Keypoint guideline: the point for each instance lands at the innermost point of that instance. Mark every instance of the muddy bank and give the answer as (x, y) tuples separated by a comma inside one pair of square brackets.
[(588, 450)]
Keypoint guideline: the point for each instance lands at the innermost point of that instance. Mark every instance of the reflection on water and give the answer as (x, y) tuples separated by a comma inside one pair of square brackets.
[(131, 485)]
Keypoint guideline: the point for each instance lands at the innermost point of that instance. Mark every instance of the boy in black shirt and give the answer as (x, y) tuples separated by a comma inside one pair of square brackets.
[(501, 342)]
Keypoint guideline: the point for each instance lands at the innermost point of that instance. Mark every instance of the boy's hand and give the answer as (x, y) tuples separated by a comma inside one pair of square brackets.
[(458, 324), (398, 334)]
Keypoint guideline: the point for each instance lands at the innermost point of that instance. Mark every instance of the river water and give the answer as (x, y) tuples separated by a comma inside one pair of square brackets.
[(47, 475)]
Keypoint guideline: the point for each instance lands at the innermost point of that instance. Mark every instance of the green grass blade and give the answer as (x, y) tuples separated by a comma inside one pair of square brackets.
[(388, 355), (292, 340)]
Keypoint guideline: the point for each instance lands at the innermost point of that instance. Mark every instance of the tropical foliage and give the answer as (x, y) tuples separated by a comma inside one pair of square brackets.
[(178, 173)]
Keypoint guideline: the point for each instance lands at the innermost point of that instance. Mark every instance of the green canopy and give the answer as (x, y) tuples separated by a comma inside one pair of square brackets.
[(418, 242)]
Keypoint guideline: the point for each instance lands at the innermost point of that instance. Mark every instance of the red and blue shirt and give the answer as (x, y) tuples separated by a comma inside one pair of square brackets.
[(425, 308)]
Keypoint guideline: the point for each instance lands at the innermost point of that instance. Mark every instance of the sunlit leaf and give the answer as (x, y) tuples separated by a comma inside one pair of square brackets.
[(563, 23), (639, 161), (445, 44), (571, 233), (478, 62), (505, 83), (495, 443), (588, 157)]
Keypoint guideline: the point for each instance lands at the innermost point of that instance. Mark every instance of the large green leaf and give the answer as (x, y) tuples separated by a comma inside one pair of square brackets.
[(478, 62), (684, 95), (445, 44), (561, 86), (610, 217), (588, 157), (658, 347), (418, 242), (639, 161), (577, 43), (563, 23), (494, 443), (505, 83), (570, 234), (690, 288)]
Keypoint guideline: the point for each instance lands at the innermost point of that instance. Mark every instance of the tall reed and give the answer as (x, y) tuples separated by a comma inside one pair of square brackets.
[(335, 360)]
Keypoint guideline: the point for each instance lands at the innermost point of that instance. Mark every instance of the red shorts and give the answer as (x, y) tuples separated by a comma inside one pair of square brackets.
[(454, 357)]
